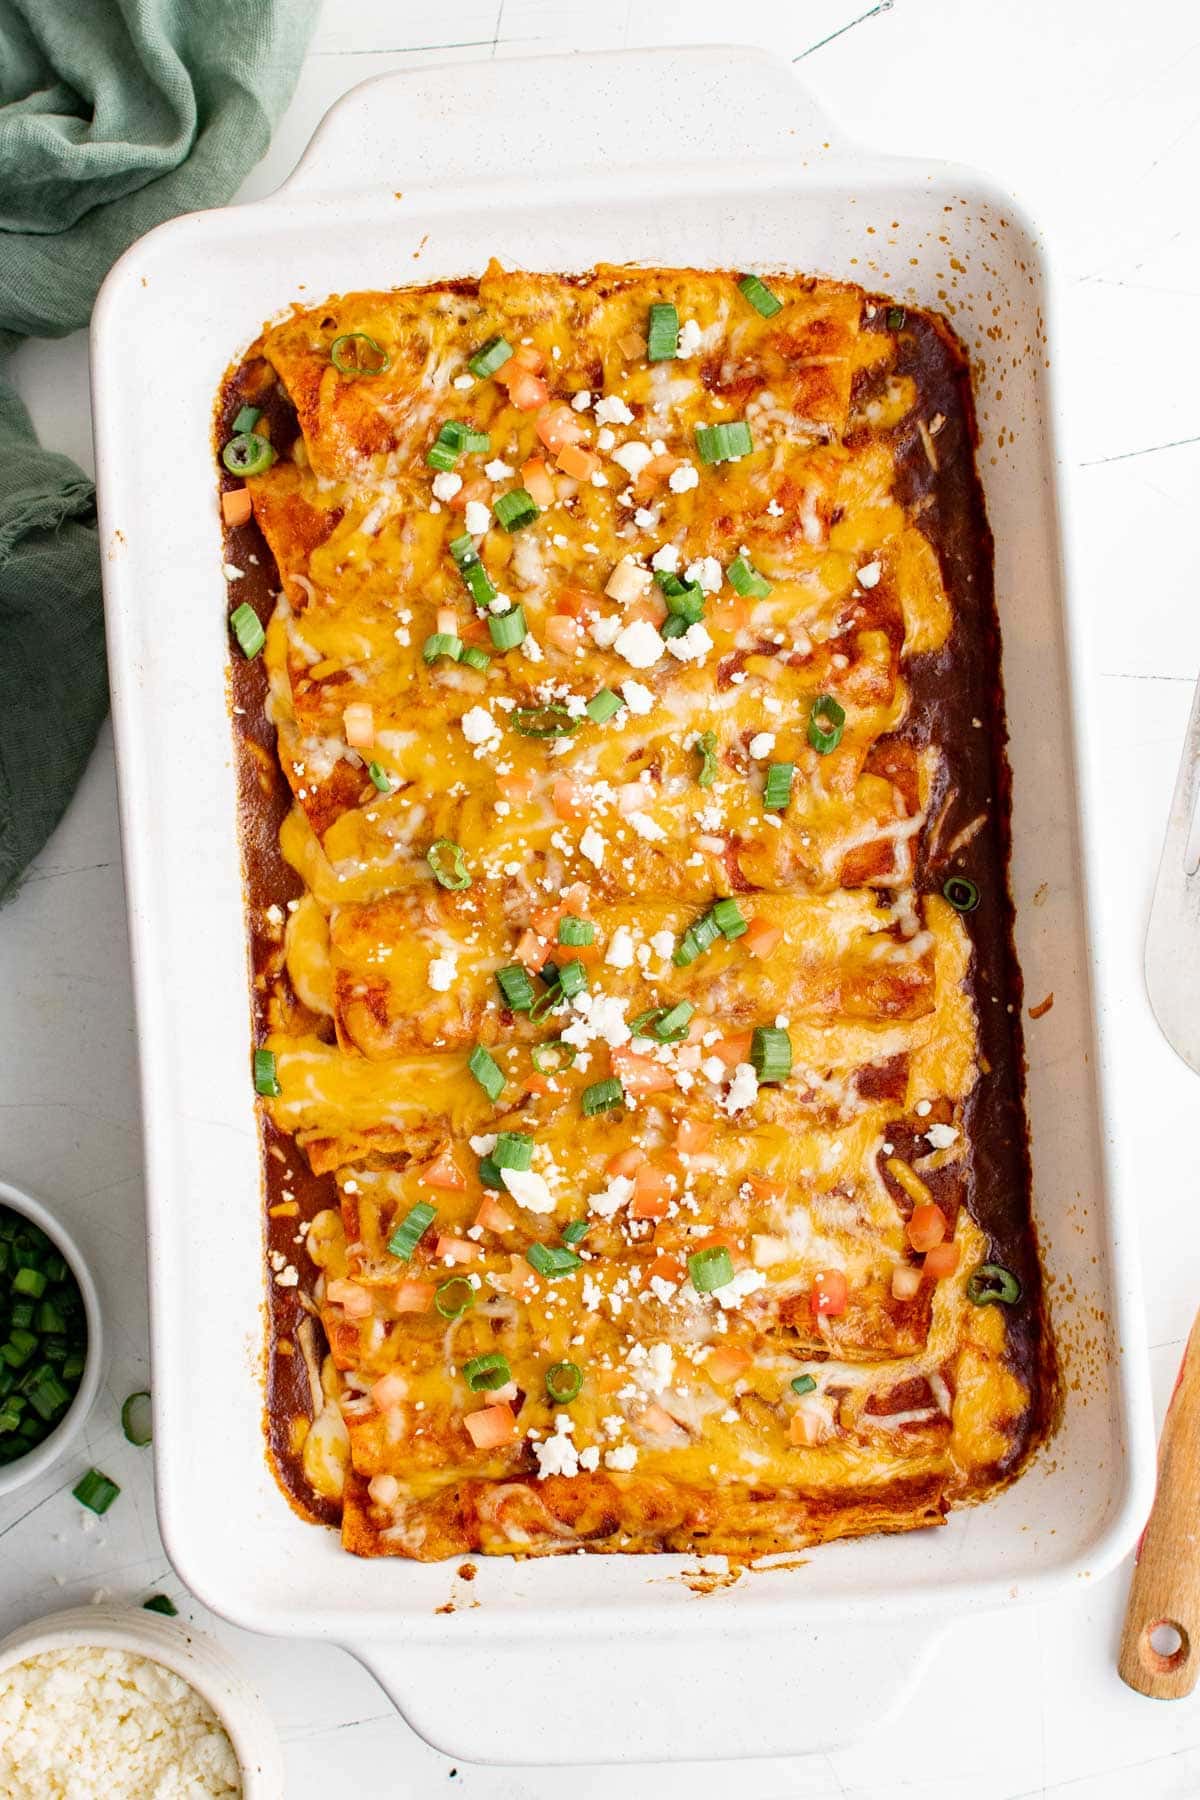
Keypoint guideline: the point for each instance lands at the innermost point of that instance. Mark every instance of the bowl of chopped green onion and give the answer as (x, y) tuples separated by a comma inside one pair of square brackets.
[(50, 1338)]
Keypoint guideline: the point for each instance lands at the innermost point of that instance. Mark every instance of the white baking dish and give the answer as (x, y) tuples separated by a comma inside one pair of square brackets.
[(557, 164)]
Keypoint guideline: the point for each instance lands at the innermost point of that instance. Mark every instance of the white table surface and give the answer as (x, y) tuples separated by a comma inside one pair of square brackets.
[(1091, 113)]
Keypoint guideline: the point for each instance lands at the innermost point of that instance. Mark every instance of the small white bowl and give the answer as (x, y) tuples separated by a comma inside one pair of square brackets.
[(15, 1474), (199, 1660)]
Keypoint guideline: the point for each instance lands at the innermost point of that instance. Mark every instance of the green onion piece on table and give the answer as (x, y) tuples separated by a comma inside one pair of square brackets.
[(95, 1491), (137, 1419)]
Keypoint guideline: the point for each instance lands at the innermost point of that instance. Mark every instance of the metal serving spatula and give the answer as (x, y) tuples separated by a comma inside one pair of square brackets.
[(1160, 1642)]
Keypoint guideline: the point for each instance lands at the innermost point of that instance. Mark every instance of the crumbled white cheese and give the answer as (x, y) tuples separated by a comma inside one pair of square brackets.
[(605, 439), (446, 484), (591, 845), (637, 698), (87, 1721), (641, 646), (558, 1455), (647, 828), (619, 954), (610, 409), (743, 1089), (690, 338), (610, 1201), (603, 632), (663, 943), (762, 744), (442, 971), (528, 1189), (745, 1282), (666, 558), (479, 727), (484, 1144), (708, 572), (464, 381), (869, 576), (589, 1459), (477, 517), (497, 470), (633, 457), (623, 1457), (684, 477), (923, 1108), (942, 1136), (693, 646), (581, 401)]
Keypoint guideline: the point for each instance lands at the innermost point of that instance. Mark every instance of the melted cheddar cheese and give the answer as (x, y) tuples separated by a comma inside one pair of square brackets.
[(763, 1361)]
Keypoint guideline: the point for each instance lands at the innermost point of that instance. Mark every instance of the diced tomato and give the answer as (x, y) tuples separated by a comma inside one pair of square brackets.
[(527, 392), (727, 1362), (657, 1418), (456, 1249), (625, 1162), (444, 1172), (632, 345), (941, 1261), (732, 1050), (658, 469), (515, 787), (906, 1281), (413, 1296), (578, 603), (359, 721), (535, 478), (666, 1268), (531, 950), (762, 937), (578, 463), (476, 487), (491, 1426), (577, 899), (235, 506), (525, 356), (354, 1301), (766, 1189), (830, 1293), (693, 1135), (535, 1084), (570, 802), (732, 613), (492, 1216), (807, 1426), (447, 621), (390, 1389), (557, 425), (563, 632), (651, 1193), (640, 1074), (927, 1227), (716, 1239), (652, 608)]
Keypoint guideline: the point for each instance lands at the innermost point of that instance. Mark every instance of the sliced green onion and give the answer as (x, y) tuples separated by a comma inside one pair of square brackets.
[(247, 630), (47, 1395), (489, 1174), (248, 454), (266, 1077), (544, 721), (802, 1384), (473, 656), (449, 865), (825, 723), (576, 1231), (440, 456), (31, 1282), (489, 357), (706, 748), (475, 577), (513, 1150), (137, 1421), (991, 1283), (674, 1022), (962, 894), (484, 1374), (545, 1003), (771, 1053), (354, 353), (454, 1298), (508, 629), (514, 509), (727, 917), (515, 985), (575, 931), (463, 550), (487, 1072), (551, 1260), (379, 778), (572, 979), (411, 1230), (551, 1057), (711, 1268), (563, 1381), (442, 643), (247, 419), (601, 707), (724, 443), (602, 1096), (699, 937), (161, 1603), (746, 580), (95, 1491), (460, 437), (896, 318), (19, 1348), (760, 296), (662, 334), (777, 788)]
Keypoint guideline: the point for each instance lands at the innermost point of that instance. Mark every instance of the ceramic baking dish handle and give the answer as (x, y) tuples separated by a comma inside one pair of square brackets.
[(577, 1700), (557, 117)]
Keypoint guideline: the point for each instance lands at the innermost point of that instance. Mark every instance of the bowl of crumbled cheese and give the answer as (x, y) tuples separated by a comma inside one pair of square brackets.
[(104, 1703)]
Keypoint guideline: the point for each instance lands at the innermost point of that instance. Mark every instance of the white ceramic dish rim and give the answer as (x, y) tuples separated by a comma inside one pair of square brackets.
[(196, 1658), (338, 189), (51, 1448)]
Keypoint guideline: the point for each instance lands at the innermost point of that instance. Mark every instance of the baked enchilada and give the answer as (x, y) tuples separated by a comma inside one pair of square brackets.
[(616, 690)]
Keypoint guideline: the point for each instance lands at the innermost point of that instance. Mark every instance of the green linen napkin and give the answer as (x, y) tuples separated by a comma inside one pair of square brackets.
[(114, 115)]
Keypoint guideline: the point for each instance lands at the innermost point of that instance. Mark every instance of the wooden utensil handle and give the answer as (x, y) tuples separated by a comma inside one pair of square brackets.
[(1160, 1642)]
